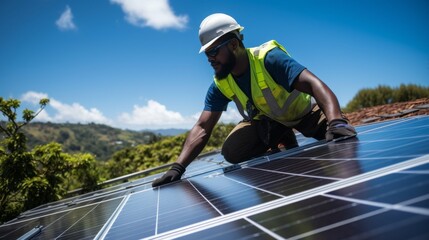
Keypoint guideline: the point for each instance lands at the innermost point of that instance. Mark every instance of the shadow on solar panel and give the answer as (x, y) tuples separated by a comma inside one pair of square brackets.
[(375, 186)]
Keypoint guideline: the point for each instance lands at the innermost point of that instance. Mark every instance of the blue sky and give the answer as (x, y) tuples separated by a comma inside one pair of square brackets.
[(135, 64)]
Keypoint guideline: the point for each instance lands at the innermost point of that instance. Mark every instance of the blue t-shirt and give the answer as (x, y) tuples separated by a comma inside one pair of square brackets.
[(282, 68)]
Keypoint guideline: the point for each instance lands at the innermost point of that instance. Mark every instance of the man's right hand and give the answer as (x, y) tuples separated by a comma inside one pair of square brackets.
[(172, 175)]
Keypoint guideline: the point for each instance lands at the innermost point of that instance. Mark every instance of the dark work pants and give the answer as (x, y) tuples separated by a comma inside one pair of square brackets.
[(251, 139)]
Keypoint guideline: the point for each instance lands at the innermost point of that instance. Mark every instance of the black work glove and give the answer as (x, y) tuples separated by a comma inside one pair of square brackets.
[(173, 174), (339, 128)]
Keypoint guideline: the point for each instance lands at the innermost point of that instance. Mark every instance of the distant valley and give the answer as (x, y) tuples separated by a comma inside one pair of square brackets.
[(100, 140)]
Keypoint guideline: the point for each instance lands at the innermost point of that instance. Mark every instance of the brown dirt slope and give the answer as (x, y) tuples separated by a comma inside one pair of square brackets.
[(389, 111)]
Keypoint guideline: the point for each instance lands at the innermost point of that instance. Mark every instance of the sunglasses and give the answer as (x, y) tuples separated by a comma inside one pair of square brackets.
[(214, 51)]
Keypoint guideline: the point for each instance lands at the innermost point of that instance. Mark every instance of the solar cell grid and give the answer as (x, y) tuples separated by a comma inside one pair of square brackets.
[(390, 189), (284, 186), (181, 206), (228, 196), (137, 217), (384, 225), (350, 218), (373, 186)]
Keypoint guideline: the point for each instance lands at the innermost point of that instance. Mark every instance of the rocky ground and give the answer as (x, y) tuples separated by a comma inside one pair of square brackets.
[(389, 111)]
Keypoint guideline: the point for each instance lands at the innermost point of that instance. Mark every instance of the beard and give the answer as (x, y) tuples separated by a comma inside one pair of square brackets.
[(226, 68)]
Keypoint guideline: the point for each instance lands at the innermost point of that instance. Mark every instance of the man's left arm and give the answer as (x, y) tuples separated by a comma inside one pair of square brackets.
[(309, 83)]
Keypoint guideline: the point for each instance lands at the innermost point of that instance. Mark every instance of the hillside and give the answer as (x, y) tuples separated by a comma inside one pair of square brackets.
[(100, 140)]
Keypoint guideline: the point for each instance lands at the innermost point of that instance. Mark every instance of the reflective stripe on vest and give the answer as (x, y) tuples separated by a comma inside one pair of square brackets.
[(270, 98), (225, 87)]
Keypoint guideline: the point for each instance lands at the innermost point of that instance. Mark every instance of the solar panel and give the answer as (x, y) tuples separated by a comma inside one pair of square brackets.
[(376, 185)]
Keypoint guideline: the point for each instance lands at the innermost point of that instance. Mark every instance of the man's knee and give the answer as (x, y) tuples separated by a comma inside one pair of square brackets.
[(236, 146), (245, 150), (230, 155)]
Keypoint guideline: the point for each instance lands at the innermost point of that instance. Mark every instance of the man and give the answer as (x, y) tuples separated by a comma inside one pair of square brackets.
[(272, 91)]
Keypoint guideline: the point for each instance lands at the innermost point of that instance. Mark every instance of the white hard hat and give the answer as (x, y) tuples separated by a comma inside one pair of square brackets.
[(215, 26)]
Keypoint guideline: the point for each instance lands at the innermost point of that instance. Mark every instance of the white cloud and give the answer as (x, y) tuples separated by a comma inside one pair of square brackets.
[(151, 116), (231, 116), (154, 115), (65, 22), (73, 113), (33, 97), (151, 13)]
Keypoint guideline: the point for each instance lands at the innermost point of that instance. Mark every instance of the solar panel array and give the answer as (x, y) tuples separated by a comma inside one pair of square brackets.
[(373, 186)]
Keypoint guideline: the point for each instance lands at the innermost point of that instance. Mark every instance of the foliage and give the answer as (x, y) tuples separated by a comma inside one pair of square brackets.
[(31, 178), (218, 136), (164, 151), (380, 95)]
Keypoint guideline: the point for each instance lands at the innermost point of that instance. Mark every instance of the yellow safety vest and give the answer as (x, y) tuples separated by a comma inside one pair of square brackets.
[(270, 98)]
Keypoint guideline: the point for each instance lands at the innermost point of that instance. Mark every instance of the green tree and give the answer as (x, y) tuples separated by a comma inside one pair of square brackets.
[(219, 134), (410, 92), (15, 162), (382, 94), (167, 150), (31, 178)]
